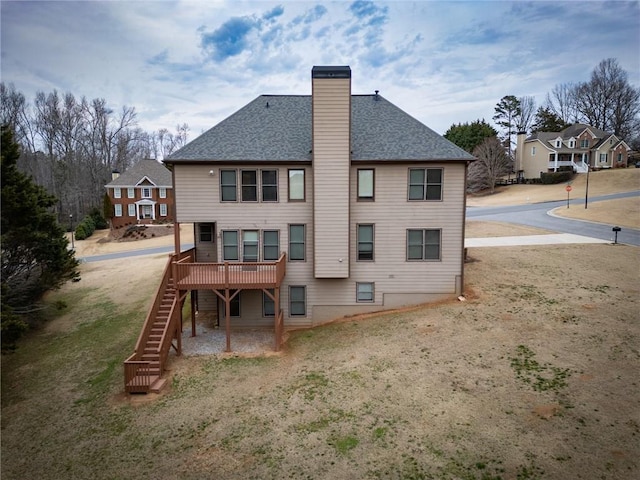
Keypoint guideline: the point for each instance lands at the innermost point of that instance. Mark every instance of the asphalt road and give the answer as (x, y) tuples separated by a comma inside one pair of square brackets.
[(536, 215)]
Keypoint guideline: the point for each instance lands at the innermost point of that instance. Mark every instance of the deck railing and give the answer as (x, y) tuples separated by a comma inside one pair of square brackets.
[(229, 275), (137, 376)]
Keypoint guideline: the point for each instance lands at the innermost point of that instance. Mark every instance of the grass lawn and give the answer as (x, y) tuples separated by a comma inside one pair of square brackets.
[(534, 376)]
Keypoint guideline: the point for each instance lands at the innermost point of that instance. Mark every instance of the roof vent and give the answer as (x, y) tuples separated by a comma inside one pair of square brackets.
[(267, 105), (376, 98)]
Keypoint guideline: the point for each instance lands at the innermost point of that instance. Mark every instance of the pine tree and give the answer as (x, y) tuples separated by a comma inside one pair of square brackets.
[(34, 248)]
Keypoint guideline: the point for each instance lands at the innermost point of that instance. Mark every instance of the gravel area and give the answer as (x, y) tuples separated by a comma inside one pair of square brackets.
[(212, 340)]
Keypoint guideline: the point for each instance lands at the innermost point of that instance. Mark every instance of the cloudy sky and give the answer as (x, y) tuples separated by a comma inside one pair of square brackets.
[(196, 62)]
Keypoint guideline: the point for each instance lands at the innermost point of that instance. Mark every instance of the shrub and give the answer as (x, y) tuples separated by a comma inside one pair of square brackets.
[(98, 219), (552, 178), (85, 228)]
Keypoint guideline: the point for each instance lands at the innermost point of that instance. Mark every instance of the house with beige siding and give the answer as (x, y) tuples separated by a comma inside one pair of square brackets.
[(308, 208), (575, 148), (141, 195)]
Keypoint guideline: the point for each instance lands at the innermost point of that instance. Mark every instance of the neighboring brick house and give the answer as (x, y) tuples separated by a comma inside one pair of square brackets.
[(576, 148), (142, 195)]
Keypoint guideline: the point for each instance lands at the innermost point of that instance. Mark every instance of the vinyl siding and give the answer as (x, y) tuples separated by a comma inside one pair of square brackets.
[(397, 281), (331, 152)]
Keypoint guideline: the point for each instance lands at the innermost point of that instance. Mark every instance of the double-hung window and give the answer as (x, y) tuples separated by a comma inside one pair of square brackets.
[(250, 249), (425, 184), (117, 193), (249, 185), (146, 192), (296, 242), (269, 185), (584, 143), (162, 192), (423, 244), (163, 209), (132, 210), (603, 158), (228, 186), (364, 292), (117, 210), (365, 242), (366, 184), (268, 305), (230, 249), (131, 193), (270, 245), (297, 301), (296, 185)]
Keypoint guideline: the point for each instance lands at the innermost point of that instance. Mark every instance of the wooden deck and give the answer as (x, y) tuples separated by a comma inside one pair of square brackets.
[(242, 275)]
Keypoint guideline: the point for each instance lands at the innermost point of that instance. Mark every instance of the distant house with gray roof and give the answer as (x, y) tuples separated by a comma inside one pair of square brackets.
[(143, 194), (577, 147), (356, 205)]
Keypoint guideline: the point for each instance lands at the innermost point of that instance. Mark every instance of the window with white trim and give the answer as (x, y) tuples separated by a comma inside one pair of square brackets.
[(228, 186), (558, 143), (296, 185), (425, 184), (117, 193), (117, 210), (163, 209), (423, 244), (146, 192), (297, 301), (162, 192), (131, 192), (603, 158), (584, 143), (230, 247), (619, 157), (366, 183), (365, 292), (572, 143), (132, 210)]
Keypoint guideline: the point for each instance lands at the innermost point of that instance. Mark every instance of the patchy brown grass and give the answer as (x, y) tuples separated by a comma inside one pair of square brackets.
[(534, 376)]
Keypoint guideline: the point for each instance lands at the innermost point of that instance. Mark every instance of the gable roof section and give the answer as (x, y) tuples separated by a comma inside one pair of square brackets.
[(572, 131), (278, 128), (149, 168)]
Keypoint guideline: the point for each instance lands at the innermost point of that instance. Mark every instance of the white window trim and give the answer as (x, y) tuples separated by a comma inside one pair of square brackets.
[(131, 193), (117, 210), (162, 192), (142, 193), (373, 292), (131, 210), (117, 193), (163, 209)]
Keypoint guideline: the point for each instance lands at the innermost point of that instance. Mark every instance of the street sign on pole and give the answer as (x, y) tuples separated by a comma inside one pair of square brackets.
[(568, 189)]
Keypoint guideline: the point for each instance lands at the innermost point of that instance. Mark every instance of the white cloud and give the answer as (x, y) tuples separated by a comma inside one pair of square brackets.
[(197, 62)]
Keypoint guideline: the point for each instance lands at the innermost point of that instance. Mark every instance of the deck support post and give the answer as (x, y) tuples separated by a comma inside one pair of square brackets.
[(227, 309), (176, 237), (276, 308), (193, 314)]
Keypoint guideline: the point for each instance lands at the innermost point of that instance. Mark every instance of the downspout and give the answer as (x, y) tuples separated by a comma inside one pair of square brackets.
[(176, 224), (464, 223)]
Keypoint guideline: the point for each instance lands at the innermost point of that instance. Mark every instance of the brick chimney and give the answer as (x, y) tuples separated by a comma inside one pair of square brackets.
[(331, 144)]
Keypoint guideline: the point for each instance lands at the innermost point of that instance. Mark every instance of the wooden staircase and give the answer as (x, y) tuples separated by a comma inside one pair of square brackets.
[(144, 369)]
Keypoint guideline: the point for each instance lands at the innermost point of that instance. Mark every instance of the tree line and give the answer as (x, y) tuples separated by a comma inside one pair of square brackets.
[(70, 145), (606, 101)]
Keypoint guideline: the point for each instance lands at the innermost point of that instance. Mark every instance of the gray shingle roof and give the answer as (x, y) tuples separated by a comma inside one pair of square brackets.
[(150, 168), (278, 128), (569, 132)]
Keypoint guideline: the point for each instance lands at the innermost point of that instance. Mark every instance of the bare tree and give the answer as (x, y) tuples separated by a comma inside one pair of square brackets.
[(562, 102), (492, 164), (524, 120)]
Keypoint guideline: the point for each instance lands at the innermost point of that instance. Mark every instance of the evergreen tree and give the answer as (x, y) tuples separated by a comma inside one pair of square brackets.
[(547, 121), (34, 248), (470, 135)]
